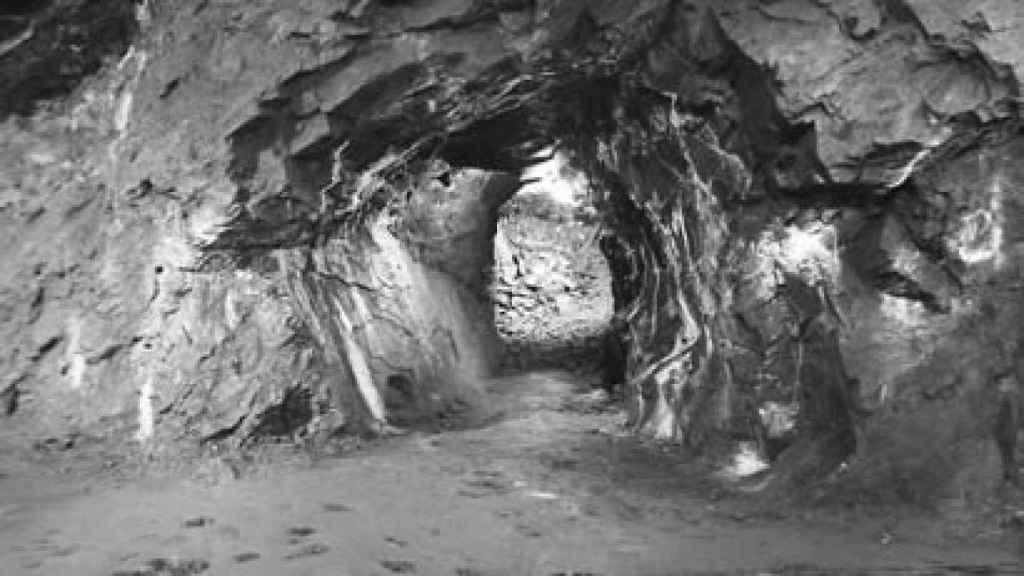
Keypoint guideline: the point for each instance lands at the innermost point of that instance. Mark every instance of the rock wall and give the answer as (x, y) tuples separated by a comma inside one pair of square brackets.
[(787, 240), (120, 325), (134, 312), (819, 236), (813, 202)]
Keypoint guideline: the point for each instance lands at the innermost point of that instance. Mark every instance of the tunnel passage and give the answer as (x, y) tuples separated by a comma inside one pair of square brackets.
[(551, 282), (392, 273), (299, 228)]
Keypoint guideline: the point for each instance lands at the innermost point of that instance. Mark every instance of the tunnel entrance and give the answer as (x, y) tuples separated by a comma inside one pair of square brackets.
[(552, 285)]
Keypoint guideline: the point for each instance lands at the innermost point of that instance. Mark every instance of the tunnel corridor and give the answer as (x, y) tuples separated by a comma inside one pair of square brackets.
[(243, 240), (551, 283)]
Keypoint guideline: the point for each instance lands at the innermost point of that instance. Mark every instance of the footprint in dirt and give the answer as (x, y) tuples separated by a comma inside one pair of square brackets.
[(399, 566), (298, 533), (485, 483), (49, 547), (63, 551), (243, 557), (165, 567), (336, 507), (198, 522), (226, 530), (314, 549), (528, 531), (466, 571)]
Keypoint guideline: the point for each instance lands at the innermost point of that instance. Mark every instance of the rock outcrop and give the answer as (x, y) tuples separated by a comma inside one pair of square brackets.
[(266, 214)]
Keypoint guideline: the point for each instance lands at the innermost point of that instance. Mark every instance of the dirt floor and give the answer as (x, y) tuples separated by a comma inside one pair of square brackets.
[(546, 483)]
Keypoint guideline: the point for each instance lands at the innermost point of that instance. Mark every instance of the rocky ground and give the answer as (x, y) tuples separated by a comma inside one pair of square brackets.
[(543, 482)]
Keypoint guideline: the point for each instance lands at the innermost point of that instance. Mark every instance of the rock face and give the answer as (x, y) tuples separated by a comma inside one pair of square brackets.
[(276, 217)]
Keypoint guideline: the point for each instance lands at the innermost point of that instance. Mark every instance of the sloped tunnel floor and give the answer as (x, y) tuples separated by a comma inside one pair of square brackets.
[(549, 484)]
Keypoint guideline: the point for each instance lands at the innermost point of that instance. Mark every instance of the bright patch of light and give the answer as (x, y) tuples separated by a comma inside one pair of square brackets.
[(801, 247), (778, 418), (146, 419), (980, 234), (542, 495), (556, 179), (745, 463), (809, 251), (975, 237), (903, 310), (996, 206)]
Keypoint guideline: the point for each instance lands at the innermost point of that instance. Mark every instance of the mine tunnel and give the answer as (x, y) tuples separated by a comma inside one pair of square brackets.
[(552, 283)]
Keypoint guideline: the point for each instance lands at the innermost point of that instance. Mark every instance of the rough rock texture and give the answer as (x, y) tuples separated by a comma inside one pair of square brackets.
[(238, 223)]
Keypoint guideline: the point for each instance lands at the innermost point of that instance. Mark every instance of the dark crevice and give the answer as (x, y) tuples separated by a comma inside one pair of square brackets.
[(283, 419), (63, 42)]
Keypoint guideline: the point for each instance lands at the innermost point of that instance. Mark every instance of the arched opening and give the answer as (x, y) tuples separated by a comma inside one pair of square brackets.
[(551, 282)]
